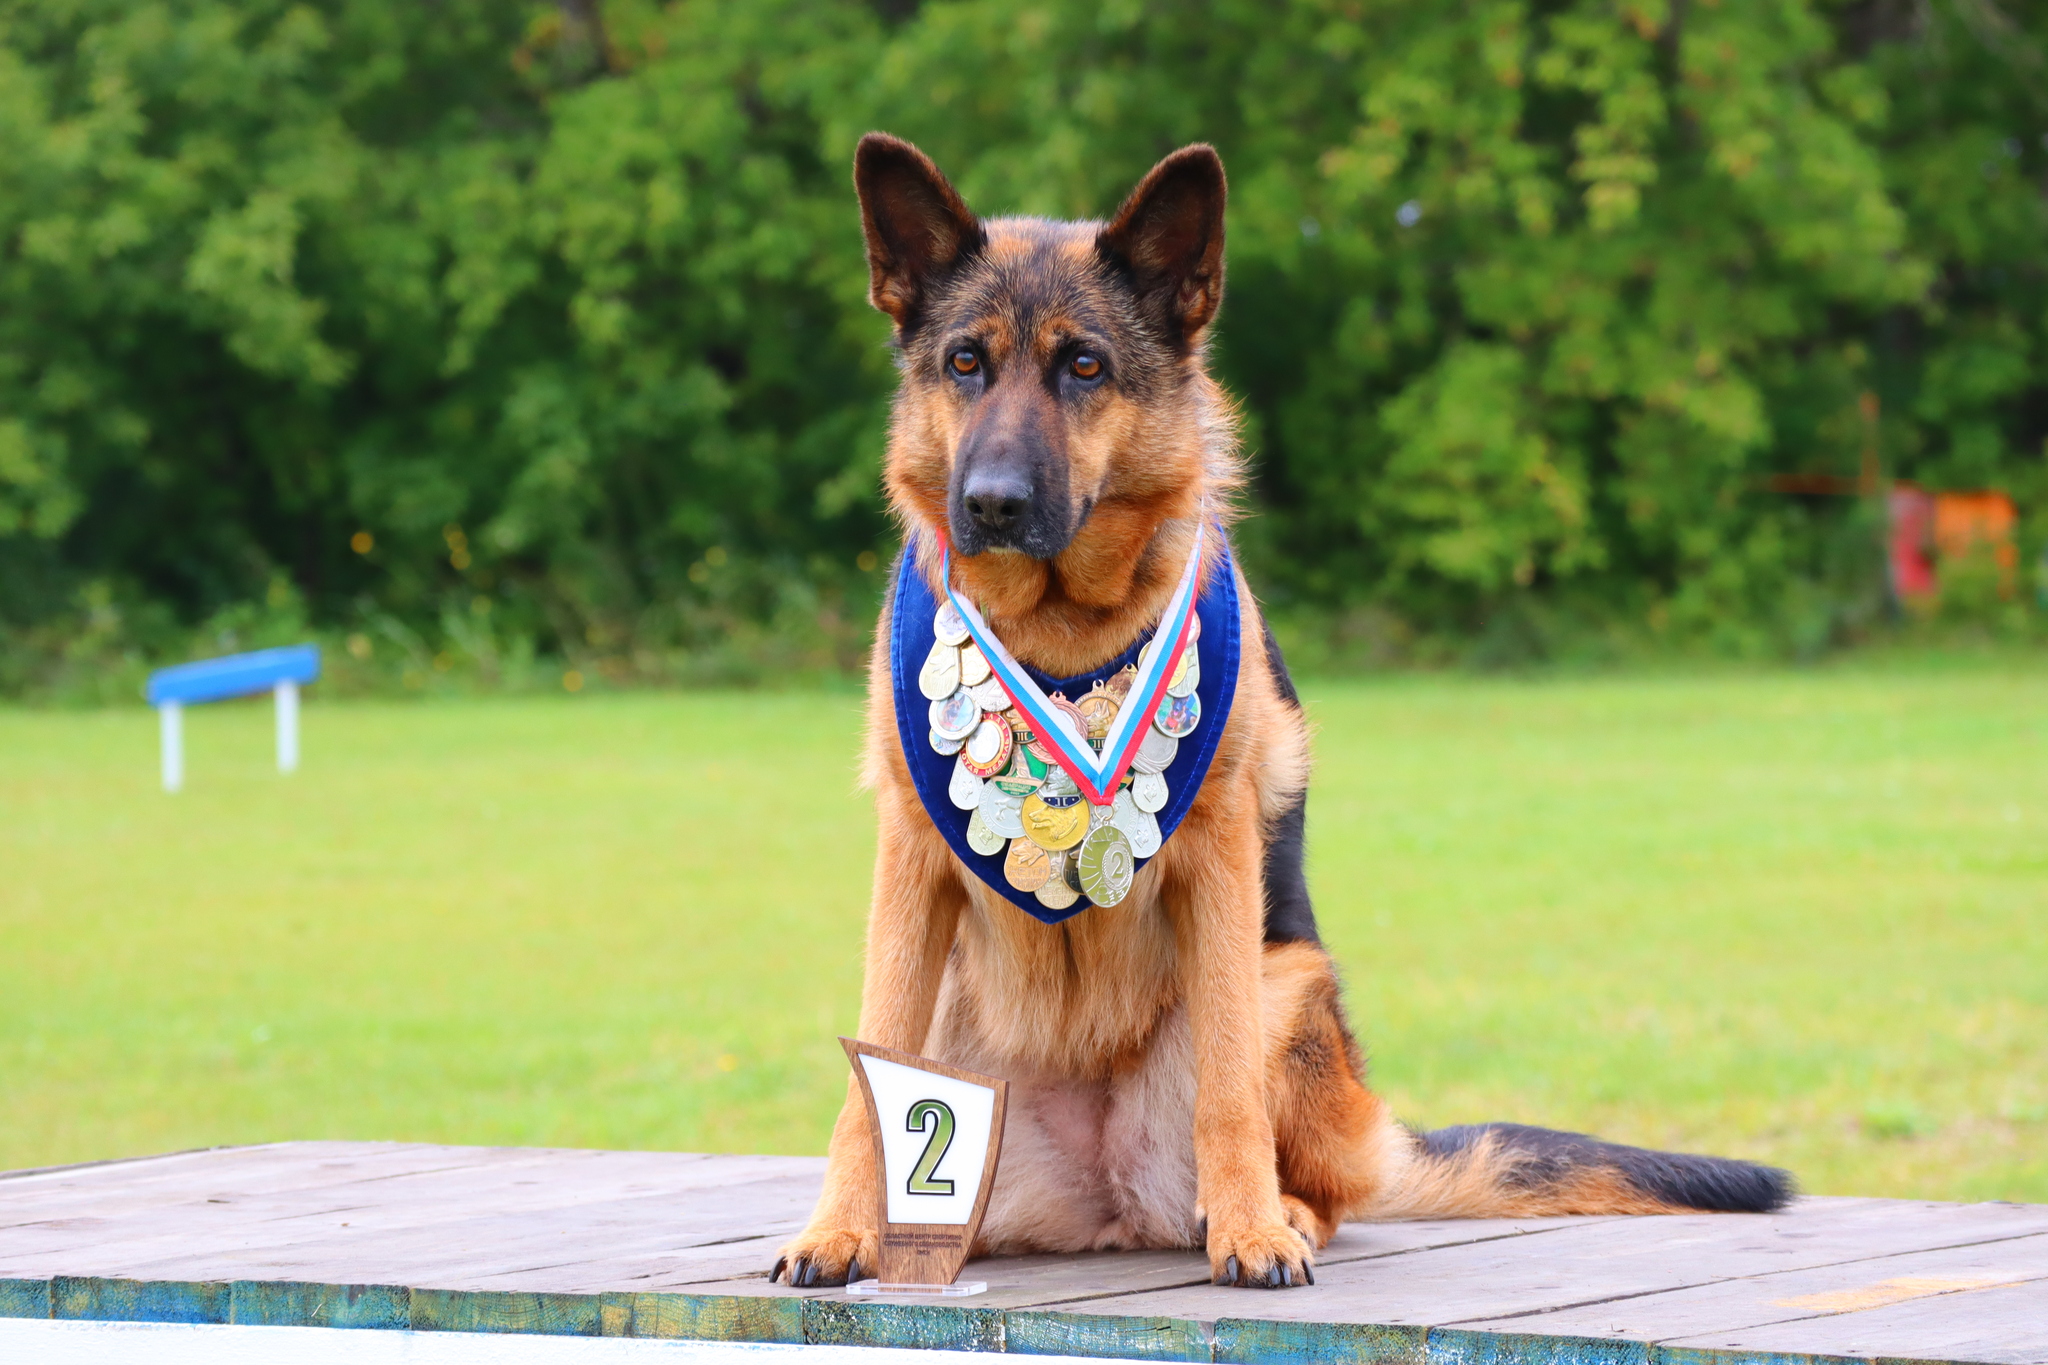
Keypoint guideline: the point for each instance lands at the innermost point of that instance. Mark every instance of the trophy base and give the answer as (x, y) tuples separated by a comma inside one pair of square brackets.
[(959, 1289)]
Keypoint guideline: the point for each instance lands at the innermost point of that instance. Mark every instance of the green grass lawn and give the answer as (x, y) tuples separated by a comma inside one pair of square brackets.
[(1802, 918)]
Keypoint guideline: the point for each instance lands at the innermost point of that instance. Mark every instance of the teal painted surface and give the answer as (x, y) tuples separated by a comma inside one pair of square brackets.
[(1687, 1355), (24, 1298), (555, 1315), (744, 1318), (841, 1323), (73, 1296), (1249, 1341), (271, 1303), (704, 1317), (1453, 1346), (1115, 1338)]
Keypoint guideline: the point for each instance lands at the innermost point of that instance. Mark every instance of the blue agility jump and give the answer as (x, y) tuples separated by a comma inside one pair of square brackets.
[(278, 671)]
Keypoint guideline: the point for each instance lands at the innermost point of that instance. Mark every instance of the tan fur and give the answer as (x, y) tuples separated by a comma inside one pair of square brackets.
[(1168, 1067)]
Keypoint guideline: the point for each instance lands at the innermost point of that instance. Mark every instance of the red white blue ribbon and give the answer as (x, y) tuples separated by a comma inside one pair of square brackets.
[(1097, 775)]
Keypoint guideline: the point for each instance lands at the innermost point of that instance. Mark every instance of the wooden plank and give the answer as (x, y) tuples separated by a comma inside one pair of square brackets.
[(2006, 1325), (445, 1310), (1601, 1261), (263, 1303), (705, 1317), (476, 1239), (114, 1188), (1846, 1286)]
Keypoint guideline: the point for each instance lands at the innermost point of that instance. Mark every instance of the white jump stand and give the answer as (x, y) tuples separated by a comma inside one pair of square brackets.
[(277, 671)]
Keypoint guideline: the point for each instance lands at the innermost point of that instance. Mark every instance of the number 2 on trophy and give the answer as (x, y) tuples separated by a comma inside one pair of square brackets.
[(936, 1117)]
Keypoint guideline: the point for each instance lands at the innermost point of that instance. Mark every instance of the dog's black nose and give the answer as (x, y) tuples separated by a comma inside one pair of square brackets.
[(997, 500)]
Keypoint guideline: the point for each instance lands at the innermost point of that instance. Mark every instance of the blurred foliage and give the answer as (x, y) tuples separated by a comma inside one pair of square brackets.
[(504, 332)]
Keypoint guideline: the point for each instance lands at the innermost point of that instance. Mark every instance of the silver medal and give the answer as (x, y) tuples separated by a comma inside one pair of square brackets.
[(981, 838), (973, 665), (1057, 784), (940, 676), (1145, 838), (956, 716), (1155, 752), (949, 625), (1001, 812), (1178, 716), (985, 745), (1107, 862), (1148, 792), (1188, 677), (988, 694), (1125, 815), (965, 789), (948, 747)]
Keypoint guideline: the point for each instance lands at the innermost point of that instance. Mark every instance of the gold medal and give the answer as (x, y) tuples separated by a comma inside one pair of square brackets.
[(1106, 865), (1059, 890), (1180, 684), (1120, 686), (1054, 827), (973, 665), (1027, 867)]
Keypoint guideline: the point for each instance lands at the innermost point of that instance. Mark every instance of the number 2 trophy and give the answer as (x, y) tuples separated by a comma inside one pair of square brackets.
[(938, 1130)]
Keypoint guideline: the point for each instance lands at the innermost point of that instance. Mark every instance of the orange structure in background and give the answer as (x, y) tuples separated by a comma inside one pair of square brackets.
[(1927, 527)]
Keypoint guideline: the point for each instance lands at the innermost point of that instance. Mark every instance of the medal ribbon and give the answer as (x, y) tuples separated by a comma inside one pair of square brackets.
[(1096, 775)]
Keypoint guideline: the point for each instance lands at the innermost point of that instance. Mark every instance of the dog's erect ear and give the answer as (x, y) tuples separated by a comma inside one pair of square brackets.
[(916, 223), (1169, 235)]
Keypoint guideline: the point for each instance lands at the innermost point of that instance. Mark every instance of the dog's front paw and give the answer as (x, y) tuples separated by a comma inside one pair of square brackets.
[(1274, 1256), (826, 1256)]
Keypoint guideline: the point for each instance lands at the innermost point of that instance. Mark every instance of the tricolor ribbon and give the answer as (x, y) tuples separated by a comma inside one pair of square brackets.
[(1097, 775)]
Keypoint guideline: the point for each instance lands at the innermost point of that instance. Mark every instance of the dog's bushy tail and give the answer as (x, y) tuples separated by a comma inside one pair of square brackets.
[(1507, 1170)]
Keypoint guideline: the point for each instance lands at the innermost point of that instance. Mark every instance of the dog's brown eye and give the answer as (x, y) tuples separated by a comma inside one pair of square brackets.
[(963, 361), (1086, 367)]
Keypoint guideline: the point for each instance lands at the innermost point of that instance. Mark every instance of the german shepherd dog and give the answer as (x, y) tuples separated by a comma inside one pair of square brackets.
[(1182, 1072)]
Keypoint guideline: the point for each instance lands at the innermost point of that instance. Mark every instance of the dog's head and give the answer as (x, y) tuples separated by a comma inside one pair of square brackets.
[(1049, 368)]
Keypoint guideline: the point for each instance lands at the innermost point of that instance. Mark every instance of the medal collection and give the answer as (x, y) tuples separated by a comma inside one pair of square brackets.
[(1061, 848)]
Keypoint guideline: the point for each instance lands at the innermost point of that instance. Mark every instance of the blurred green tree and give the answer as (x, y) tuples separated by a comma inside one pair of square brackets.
[(545, 323)]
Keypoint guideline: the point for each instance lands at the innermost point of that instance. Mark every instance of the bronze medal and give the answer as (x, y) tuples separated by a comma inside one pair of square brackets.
[(1098, 712), (1119, 687), (1027, 866), (1073, 713)]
